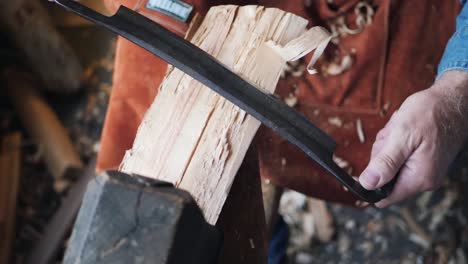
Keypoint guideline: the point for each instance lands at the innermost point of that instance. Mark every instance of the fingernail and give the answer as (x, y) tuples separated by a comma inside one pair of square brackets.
[(369, 180)]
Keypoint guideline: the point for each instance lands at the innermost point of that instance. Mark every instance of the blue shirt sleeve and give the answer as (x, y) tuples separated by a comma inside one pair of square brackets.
[(456, 53)]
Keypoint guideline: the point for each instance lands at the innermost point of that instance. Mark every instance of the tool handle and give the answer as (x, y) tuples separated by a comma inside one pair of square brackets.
[(371, 196)]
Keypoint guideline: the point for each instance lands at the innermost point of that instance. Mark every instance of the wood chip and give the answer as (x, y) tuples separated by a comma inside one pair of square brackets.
[(335, 69), (360, 131), (335, 121), (340, 162), (440, 211), (361, 204), (283, 162), (61, 185), (419, 241), (252, 245), (323, 219), (418, 234), (291, 100)]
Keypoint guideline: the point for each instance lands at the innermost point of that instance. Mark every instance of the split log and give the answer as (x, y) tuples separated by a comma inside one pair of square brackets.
[(10, 163), (30, 29), (196, 139), (42, 124)]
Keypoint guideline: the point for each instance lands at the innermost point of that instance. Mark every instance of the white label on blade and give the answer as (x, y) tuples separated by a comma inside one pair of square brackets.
[(174, 8)]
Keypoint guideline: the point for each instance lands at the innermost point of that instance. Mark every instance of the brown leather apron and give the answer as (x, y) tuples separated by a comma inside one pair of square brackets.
[(384, 51)]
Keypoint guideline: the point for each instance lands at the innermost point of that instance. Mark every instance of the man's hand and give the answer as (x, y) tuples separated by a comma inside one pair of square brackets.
[(421, 140)]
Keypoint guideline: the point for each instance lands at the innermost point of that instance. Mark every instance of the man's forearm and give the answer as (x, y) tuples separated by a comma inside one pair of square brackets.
[(456, 53)]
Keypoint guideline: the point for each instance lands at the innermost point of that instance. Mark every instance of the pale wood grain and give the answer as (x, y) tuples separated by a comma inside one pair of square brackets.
[(191, 136)]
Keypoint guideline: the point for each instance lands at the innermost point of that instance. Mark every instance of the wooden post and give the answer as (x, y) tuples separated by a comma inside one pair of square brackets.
[(196, 139), (242, 219), (10, 163)]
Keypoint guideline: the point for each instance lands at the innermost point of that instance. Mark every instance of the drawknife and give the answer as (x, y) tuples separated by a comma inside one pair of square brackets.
[(269, 110)]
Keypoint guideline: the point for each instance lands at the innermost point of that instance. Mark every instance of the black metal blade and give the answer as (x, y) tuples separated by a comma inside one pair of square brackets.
[(272, 112)]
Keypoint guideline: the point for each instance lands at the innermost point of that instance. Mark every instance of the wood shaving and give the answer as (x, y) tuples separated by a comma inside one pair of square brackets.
[(335, 69), (384, 109), (460, 256), (367, 247), (418, 234), (322, 218), (252, 245), (360, 131), (419, 241), (344, 244), (361, 204), (283, 162), (350, 224), (61, 185), (303, 258), (291, 100), (441, 210), (309, 227), (299, 71), (386, 106), (335, 121), (340, 162)]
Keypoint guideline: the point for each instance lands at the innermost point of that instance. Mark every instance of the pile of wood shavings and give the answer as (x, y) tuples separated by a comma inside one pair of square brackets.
[(431, 228)]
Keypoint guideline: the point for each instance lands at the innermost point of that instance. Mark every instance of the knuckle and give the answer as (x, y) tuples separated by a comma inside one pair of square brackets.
[(380, 135)]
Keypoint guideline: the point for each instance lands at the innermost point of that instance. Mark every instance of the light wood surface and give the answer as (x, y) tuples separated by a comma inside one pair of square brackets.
[(196, 139)]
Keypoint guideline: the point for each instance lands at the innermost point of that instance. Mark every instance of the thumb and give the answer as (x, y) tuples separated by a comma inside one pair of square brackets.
[(384, 166)]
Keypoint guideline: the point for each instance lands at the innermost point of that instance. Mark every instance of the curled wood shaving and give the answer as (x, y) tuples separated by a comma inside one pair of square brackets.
[(316, 38)]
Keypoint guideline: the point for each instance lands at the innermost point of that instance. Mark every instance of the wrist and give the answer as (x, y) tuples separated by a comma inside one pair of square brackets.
[(452, 83), (452, 90)]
